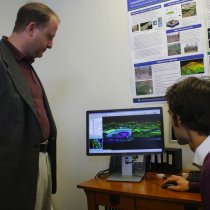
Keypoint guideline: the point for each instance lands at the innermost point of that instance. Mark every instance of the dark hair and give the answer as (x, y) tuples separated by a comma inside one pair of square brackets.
[(190, 99), (33, 12)]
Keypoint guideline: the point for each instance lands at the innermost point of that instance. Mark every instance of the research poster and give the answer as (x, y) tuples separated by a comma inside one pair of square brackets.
[(168, 41)]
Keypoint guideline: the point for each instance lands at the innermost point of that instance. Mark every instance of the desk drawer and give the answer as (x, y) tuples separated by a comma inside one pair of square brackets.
[(150, 204), (115, 201)]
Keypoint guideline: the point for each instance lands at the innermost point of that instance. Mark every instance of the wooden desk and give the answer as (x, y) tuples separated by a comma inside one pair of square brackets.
[(144, 195)]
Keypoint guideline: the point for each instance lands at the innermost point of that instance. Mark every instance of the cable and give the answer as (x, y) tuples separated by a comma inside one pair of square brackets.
[(133, 159), (102, 173)]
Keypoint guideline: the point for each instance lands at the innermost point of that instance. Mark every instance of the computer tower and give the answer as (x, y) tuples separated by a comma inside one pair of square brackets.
[(115, 164), (174, 160)]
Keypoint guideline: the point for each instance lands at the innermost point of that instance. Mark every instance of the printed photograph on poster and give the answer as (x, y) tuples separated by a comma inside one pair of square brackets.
[(192, 67)]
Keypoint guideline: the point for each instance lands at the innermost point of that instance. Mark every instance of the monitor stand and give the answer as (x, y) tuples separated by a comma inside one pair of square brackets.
[(130, 173)]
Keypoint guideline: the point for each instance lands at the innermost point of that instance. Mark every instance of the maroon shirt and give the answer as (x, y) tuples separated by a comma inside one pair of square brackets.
[(204, 185), (34, 86)]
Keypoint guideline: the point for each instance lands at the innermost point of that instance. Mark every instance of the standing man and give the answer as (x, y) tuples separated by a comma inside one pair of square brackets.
[(27, 128), (189, 108)]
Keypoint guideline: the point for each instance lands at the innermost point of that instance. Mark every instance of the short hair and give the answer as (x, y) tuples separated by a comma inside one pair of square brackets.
[(33, 12), (190, 99)]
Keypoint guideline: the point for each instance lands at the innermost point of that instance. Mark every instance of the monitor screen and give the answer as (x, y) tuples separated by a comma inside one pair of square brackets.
[(125, 131)]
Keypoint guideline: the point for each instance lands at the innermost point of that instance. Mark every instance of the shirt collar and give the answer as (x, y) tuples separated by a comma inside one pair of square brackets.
[(201, 151), (19, 56)]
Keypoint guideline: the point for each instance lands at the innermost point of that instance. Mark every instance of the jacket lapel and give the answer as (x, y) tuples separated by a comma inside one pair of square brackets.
[(17, 78)]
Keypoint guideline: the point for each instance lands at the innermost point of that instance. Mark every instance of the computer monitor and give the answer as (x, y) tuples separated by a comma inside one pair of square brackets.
[(125, 132)]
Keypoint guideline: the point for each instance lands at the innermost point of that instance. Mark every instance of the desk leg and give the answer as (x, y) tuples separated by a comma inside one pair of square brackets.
[(91, 200)]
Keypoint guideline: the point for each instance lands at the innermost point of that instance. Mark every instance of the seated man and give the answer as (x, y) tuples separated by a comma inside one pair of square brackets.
[(189, 108)]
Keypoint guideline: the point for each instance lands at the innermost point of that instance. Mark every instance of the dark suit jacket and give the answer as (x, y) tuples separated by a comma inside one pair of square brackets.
[(20, 137)]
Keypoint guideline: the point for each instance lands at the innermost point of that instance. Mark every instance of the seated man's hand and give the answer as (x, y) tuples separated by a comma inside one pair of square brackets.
[(182, 183)]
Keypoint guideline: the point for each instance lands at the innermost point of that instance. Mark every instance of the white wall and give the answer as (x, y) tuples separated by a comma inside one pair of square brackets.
[(88, 68)]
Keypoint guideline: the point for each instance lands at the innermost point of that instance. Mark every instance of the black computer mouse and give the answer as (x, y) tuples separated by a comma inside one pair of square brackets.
[(169, 183)]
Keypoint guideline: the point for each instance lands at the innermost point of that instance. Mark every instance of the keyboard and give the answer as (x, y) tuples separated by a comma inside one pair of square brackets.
[(194, 176)]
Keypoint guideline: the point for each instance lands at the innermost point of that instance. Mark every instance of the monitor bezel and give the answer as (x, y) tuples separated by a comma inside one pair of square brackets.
[(124, 153)]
